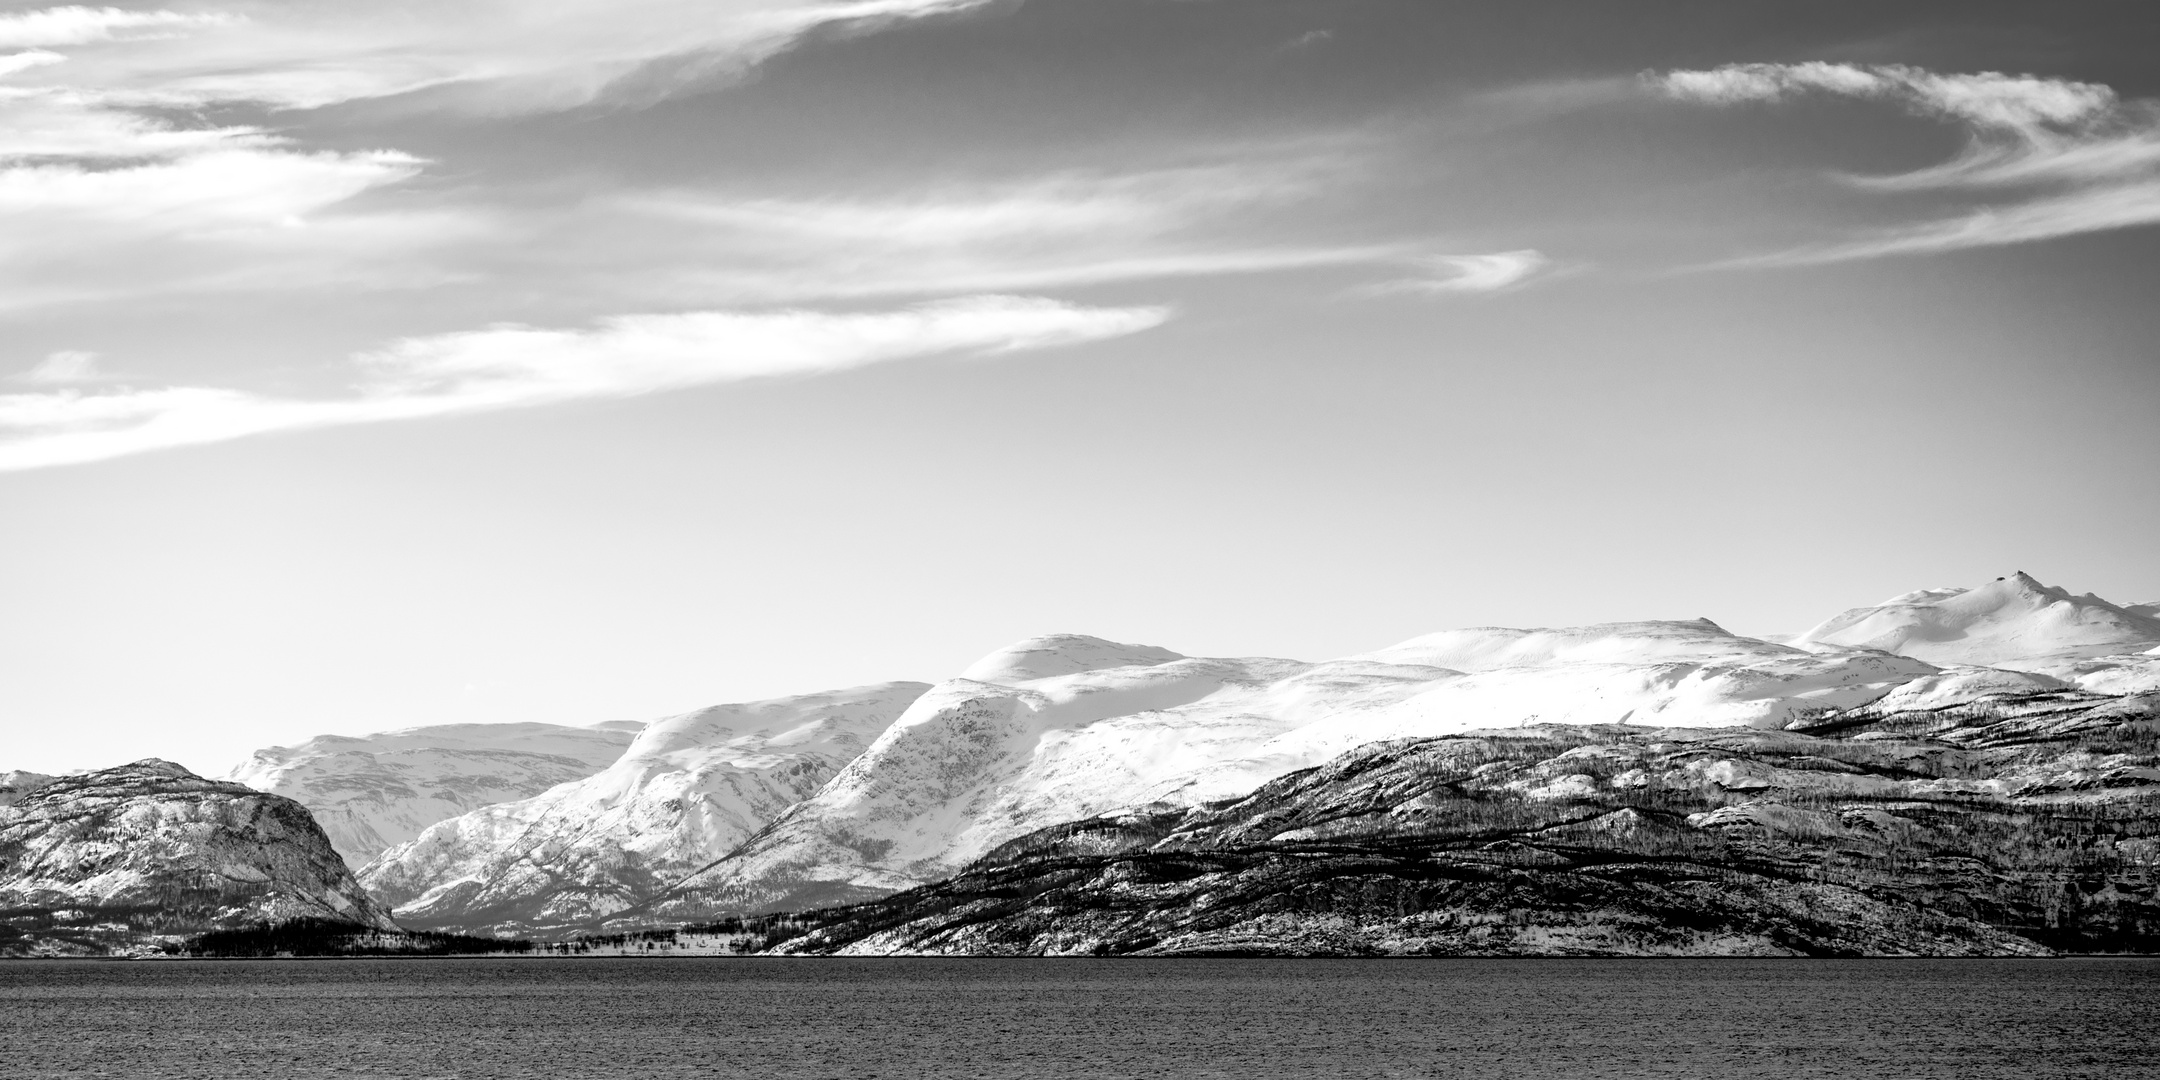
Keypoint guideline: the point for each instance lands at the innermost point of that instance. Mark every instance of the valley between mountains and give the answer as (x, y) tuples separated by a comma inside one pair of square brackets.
[(1950, 772)]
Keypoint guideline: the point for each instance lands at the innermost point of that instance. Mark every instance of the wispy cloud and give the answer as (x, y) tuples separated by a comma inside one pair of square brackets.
[(512, 367), (1457, 274), (79, 25), (67, 367), (2053, 157), (98, 199), (24, 61), (1040, 232), (499, 55), (107, 188)]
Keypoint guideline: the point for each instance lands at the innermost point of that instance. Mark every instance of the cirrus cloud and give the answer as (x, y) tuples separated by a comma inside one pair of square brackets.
[(508, 367), (502, 55), (109, 186), (75, 24), (1458, 274), (2044, 157)]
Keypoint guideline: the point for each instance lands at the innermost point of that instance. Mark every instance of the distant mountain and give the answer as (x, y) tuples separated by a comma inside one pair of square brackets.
[(2012, 622), (136, 858), (975, 763), (689, 790), (16, 784), (2018, 826), (373, 791), (849, 796)]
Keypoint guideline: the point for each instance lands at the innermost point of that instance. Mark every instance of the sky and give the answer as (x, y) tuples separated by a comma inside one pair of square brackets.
[(372, 365)]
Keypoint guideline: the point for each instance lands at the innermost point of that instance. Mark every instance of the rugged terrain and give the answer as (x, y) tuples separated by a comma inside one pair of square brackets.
[(688, 791), (2015, 825), (854, 795), (370, 792), (1021, 742), (1004, 750), (142, 857)]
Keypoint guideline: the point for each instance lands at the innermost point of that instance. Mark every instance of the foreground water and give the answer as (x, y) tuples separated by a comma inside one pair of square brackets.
[(1019, 1019)]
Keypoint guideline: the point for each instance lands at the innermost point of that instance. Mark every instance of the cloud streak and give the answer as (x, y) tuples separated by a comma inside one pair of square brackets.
[(509, 367), (1047, 231), (2050, 157), (67, 367), (497, 55), (78, 25), (108, 189), (1448, 275)]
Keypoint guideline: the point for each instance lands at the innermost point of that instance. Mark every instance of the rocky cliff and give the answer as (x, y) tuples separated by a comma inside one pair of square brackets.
[(144, 856)]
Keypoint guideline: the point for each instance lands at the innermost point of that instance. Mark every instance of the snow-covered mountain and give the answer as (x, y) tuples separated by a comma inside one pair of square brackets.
[(837, 797), (128, 859), (2012, 622), (2015, 827), (976, 762), (372, 791), (689, 790)]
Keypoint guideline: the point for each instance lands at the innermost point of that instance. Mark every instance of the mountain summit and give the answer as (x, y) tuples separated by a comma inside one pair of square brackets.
[(2013, 622)]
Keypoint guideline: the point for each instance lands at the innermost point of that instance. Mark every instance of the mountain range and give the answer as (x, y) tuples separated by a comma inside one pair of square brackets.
[(883, 796)]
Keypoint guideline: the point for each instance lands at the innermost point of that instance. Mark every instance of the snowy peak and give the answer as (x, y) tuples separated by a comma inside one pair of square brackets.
[(1055, 655), (2013, 621)]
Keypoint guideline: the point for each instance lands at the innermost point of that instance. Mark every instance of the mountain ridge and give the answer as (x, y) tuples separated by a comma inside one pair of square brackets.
[(1064, 726)]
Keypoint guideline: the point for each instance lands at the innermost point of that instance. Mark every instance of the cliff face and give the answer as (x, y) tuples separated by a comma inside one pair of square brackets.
[(130, 859), (2021, 824)]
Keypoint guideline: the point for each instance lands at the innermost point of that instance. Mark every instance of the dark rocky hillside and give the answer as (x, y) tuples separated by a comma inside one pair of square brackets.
[(141, 858), (2010, 826)]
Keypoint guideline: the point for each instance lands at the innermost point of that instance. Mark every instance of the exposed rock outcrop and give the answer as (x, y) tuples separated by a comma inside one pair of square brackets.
[(139, 858)]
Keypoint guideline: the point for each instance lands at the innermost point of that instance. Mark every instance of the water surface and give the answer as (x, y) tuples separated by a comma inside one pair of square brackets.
[(1028, 1019)]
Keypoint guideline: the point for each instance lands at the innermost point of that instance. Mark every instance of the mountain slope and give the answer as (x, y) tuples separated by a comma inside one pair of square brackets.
[(2013, 622), (1062, 727), (372, 791), (2015, 827), (129, 858), (689, 790), (973, 764)]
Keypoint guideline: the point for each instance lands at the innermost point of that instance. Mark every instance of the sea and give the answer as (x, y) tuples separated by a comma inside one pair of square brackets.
[(1032, 1018)]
